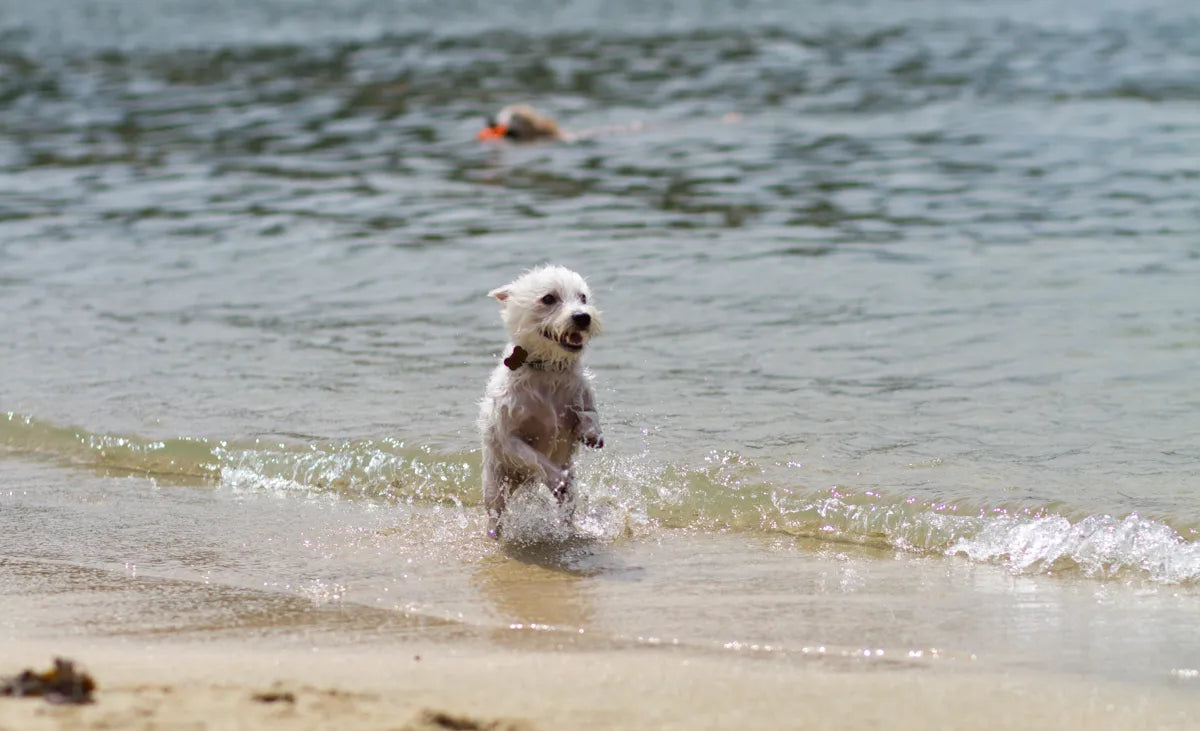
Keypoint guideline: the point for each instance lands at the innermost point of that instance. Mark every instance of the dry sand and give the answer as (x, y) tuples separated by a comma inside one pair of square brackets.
[(238, 685)]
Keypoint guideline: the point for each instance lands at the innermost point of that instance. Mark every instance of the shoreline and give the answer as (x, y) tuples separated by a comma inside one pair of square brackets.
[(183, 654), (251, 684)]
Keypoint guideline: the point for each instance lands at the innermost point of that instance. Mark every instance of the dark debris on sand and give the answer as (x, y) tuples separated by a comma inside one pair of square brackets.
[(60, 684), (275, 696), (431, 720)]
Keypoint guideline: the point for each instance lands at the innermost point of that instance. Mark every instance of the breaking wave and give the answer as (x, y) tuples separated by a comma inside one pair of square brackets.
[(638, 495)]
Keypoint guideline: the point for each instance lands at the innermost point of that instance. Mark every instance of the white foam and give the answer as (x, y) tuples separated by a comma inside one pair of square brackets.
[(1098, 545)]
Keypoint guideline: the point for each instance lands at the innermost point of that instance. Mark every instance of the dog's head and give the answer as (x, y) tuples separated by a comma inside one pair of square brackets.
[(549, 312)]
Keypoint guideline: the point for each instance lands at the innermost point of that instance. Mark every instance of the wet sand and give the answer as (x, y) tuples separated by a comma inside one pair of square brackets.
[(175, 654), (292, 664), (249, 685)]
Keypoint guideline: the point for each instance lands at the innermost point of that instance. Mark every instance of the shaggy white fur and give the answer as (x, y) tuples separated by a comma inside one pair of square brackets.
[(539, 404)]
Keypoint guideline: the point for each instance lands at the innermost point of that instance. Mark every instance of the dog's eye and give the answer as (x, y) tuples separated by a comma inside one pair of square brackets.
[(549, 299), (583, 298)]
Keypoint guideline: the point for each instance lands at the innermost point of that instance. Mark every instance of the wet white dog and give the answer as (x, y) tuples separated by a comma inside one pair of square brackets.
[(539, 403)]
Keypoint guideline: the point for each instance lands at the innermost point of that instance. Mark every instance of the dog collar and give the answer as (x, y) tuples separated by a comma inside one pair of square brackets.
[(519, 357)]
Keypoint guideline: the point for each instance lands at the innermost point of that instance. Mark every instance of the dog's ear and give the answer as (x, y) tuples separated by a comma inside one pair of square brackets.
[(500, 293)]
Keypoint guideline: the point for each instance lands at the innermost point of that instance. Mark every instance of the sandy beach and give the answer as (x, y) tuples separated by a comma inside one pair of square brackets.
[(178, 655), (246, 685)]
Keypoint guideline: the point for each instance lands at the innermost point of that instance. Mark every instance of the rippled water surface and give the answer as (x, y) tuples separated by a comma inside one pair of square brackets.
[(913, 279)]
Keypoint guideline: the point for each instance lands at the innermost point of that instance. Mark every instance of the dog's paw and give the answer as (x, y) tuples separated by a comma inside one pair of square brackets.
[(558, 480), (561, 488)]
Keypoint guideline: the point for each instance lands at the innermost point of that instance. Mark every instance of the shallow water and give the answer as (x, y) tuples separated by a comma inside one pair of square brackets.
[(900, 357)]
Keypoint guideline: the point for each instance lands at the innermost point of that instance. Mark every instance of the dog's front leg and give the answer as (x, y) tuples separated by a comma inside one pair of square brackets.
[(589, 421), (589, 429), (536, 462)]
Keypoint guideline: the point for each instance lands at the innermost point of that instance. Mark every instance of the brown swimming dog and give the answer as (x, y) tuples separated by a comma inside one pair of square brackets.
[(520, 123)]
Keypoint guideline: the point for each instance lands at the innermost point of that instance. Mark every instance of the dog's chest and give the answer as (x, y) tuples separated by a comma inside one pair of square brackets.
[(548, 417)]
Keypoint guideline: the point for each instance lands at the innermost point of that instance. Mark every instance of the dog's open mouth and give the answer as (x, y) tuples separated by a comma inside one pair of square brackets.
[(571, 340)]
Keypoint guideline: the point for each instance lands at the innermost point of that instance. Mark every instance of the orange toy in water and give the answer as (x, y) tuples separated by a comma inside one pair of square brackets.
[(492, 132)]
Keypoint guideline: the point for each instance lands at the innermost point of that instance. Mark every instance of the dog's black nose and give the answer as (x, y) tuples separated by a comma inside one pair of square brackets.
[(581, 319)]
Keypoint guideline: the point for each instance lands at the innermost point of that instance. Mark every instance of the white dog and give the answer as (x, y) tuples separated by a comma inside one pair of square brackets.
[(539, 403)]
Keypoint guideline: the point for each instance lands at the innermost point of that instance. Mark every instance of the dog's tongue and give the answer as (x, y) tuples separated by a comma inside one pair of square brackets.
[(575, 338)]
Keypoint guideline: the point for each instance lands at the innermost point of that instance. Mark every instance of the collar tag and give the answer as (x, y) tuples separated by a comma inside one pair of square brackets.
[(516, 358)]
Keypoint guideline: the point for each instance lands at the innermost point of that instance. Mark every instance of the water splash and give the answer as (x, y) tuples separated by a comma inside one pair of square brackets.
[(1099, 545), (377, 469)]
